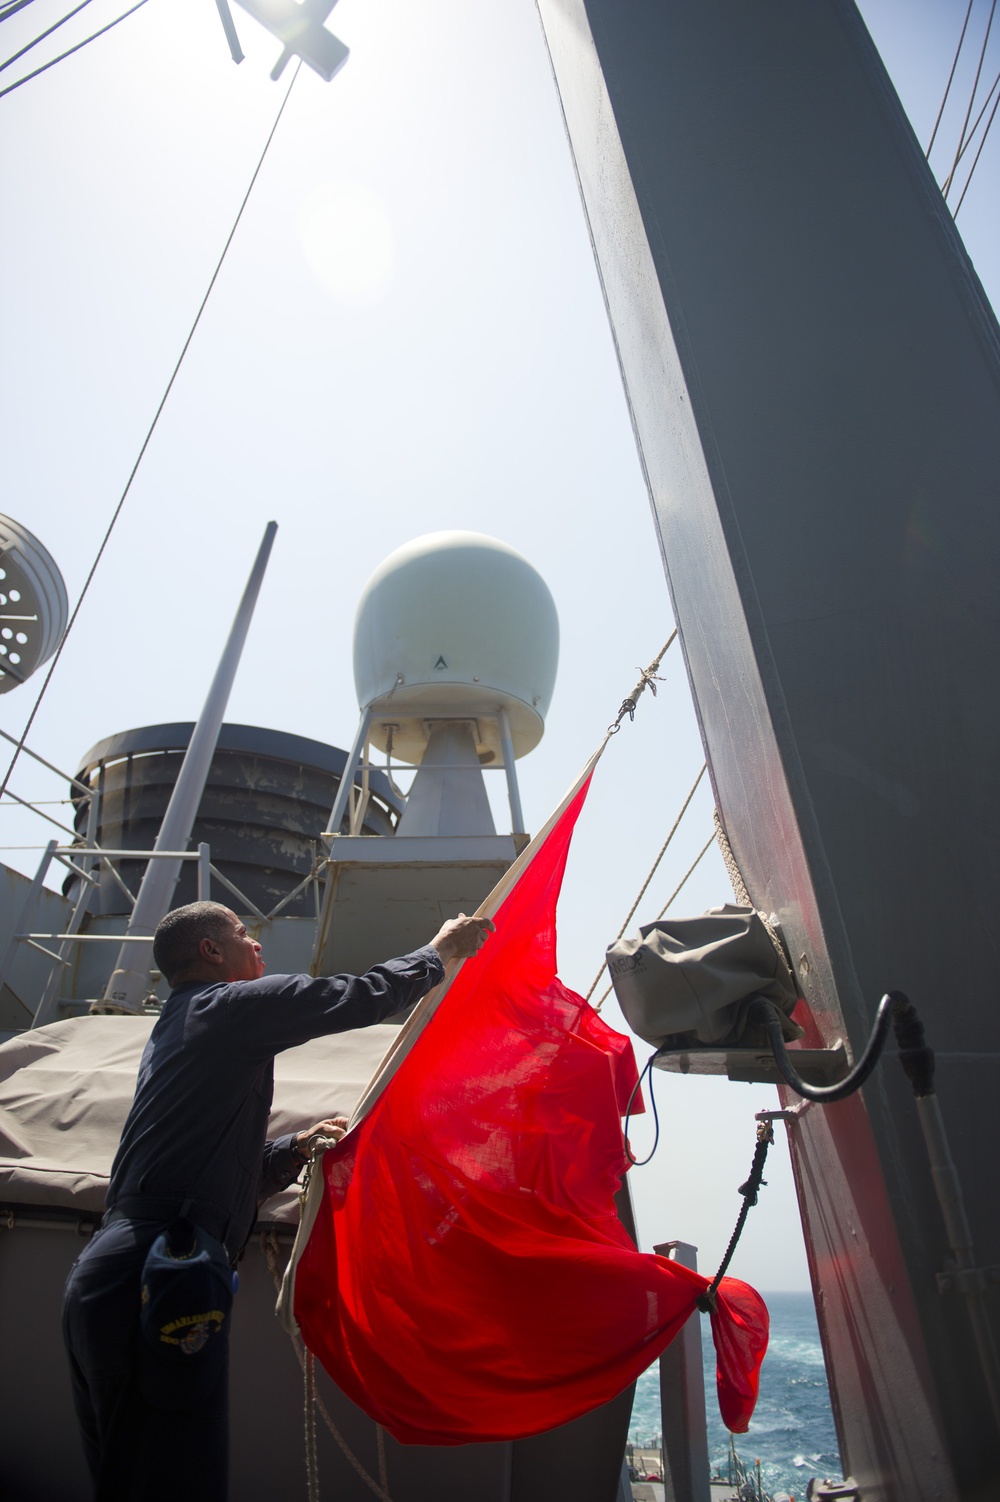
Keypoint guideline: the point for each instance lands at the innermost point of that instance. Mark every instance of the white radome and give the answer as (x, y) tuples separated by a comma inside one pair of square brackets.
[(455, 625)]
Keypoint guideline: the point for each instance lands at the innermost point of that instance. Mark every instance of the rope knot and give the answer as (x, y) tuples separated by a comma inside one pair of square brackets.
[(705, 1302), (750, 1189)]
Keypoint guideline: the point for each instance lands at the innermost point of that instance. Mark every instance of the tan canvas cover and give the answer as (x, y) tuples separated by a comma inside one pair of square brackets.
[(65, 1090), (686, 981)]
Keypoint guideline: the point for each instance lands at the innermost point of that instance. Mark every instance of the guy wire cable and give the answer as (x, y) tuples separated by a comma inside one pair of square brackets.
[(653, 870), (152, 427), (70, 50), (43, 34), (675, 893), (971, 135), (951, 76), (6, 11), (979, 152), (972, 99)]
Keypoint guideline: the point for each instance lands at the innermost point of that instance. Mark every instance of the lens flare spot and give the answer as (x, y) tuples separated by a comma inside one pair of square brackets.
[(347, 240)]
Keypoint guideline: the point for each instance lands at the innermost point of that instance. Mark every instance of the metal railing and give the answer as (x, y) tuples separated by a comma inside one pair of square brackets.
[(84, 861)]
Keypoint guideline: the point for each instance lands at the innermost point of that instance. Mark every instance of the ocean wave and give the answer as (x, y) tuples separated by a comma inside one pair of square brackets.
[(792, 1431)]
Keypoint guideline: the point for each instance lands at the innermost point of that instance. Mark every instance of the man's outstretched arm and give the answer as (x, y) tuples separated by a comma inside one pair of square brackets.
[(282, 1011)]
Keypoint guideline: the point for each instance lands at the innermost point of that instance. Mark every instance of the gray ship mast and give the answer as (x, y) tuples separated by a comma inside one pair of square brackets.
[(129, 983), (812, 371)]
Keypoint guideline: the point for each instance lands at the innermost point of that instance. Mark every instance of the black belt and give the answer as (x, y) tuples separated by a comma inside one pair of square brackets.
[(150, 1207)]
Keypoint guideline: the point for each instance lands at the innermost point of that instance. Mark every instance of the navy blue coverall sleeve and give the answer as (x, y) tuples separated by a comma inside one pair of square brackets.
[(198, 1124), (283, 1011)]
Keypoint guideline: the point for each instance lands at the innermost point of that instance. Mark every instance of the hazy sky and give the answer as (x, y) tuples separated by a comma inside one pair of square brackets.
[(407, 335)]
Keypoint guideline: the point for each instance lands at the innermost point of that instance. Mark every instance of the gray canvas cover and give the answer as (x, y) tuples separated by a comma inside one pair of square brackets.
[(65, 1090), (688, 981)]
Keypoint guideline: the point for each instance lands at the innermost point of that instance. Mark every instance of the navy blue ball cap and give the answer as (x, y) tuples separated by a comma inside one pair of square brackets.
[(187, 1296)]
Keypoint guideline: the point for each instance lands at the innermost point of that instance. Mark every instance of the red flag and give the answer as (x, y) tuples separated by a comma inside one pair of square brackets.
[(465, 1276)]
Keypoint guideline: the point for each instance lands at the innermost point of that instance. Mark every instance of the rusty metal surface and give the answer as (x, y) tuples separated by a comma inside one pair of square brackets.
[(266, 802)]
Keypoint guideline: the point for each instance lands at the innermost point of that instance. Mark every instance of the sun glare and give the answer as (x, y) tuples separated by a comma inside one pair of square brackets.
[(346, 237)]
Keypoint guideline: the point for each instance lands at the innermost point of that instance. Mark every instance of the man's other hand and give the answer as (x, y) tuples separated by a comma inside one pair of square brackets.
[(333, 1126), (462, 937)]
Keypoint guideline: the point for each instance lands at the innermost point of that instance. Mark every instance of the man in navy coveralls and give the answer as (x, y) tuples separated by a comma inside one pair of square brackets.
[(194, 1145)]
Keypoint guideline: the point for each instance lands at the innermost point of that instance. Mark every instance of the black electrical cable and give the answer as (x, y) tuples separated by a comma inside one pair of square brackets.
[(914, 1055), (765, 1014), (634, 1162), (42, 35), (70, 50)]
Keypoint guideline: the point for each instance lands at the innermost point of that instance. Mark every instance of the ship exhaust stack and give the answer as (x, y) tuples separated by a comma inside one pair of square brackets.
[(129, 983)]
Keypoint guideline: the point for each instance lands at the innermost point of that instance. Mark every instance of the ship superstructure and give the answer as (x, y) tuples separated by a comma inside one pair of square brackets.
[(811, 369), (333, 867), (813, 373)]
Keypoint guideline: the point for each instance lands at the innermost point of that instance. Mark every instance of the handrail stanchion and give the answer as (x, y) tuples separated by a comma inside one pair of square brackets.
[(46, 1009)]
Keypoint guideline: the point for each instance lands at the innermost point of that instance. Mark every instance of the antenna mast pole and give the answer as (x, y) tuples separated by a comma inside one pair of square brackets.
[(129, 983)]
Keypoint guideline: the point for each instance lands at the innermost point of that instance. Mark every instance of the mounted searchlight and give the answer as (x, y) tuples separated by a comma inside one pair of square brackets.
[(33, 604)]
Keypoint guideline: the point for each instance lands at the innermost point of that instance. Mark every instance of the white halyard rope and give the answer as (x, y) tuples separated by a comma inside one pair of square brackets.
[(314, 1400)]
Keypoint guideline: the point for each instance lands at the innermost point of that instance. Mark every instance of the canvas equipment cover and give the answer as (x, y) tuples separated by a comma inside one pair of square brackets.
[(689, 981)]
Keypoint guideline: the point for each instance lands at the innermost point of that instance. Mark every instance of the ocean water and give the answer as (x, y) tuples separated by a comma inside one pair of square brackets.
[(792, 1431)]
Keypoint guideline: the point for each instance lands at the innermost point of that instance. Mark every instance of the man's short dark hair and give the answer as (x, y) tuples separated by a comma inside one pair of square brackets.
[(175, 943)]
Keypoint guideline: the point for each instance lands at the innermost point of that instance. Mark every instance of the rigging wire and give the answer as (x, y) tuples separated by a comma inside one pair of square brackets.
[(24, 847), (74, 782), (36, 810), (149, 434), (951, 75), (6, 11), (687, 874), (972, 97), (979, 152), (70, 50), (41, 37), (40, 802), (675, 893), (971, 136), (986, 104), (652, 873)]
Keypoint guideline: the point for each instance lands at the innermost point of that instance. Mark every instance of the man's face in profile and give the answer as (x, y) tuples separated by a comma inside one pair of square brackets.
[(242, 957)]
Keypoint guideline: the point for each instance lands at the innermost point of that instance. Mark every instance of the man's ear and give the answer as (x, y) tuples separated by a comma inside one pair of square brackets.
[(209, 951)]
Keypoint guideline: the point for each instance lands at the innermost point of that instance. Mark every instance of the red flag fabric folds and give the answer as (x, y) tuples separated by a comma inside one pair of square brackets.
[(466, 1277)]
